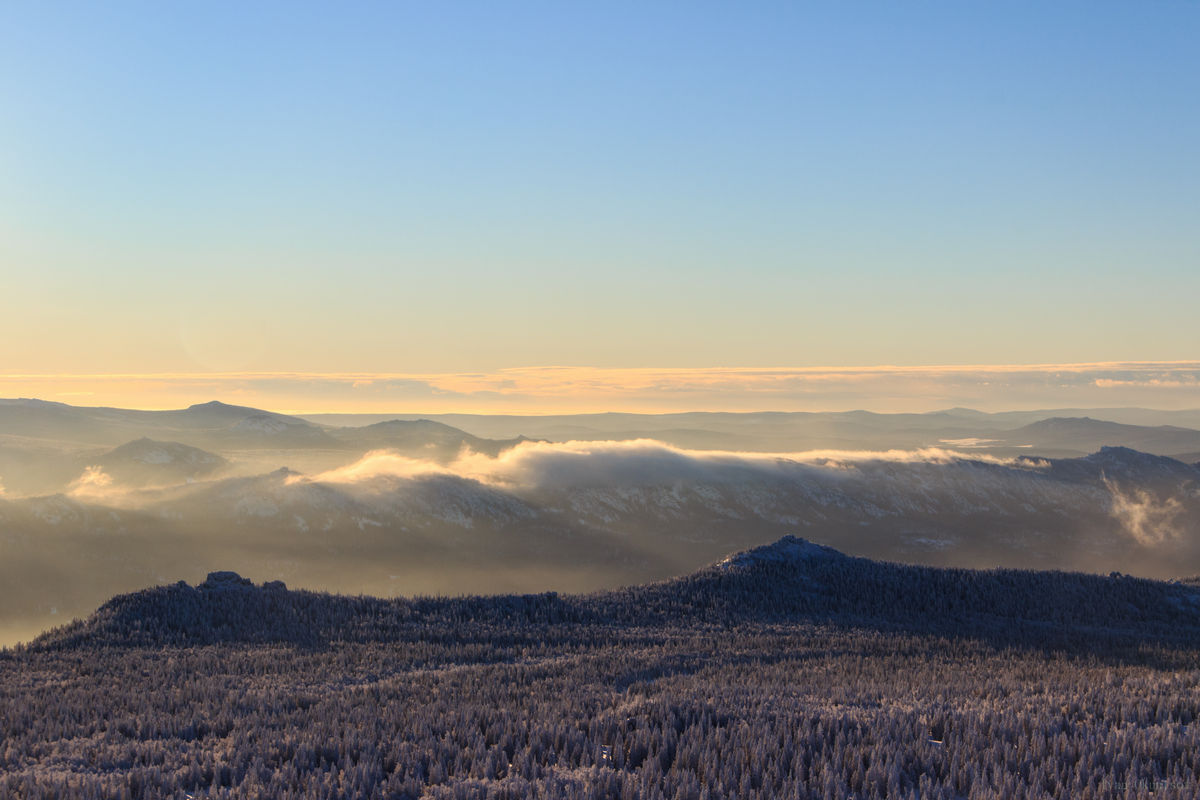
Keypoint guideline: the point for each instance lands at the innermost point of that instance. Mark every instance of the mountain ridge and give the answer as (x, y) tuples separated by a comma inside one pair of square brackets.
[(580, 528), (791, 580)]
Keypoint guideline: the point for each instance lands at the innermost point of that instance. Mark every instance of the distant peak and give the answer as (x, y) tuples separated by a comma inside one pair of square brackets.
[(788, 550), (1118, 453), (224, 408), (408, 423), (1126, 458)]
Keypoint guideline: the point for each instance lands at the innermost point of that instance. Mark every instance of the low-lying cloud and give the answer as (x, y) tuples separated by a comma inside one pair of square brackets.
[(1148, 519), (375, 464), (532, 465), (94, 484)]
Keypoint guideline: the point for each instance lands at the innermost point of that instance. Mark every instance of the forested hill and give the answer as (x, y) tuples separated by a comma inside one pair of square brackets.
[(795, 579), (789, 581)]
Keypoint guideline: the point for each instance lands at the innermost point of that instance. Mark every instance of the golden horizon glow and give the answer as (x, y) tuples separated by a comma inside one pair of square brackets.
[(580, 389)]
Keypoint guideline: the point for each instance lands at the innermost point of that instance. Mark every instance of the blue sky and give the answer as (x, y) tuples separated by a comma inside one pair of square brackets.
[(403, 187)]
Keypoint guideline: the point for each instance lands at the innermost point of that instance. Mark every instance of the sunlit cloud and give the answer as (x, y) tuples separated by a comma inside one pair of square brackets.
[(1146, 518), (533, 465), (375, 464), (93, 484)]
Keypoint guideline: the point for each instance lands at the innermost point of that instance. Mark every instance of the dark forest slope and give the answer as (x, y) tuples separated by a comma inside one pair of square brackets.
[(790, 581), (786, 671)]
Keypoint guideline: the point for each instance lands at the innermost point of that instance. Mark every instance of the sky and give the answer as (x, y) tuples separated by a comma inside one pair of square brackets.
[(211, 197)]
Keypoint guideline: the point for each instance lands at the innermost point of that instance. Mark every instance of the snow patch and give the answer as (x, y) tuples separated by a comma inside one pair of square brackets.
[(264, 424), (788, 550), (157, 455)]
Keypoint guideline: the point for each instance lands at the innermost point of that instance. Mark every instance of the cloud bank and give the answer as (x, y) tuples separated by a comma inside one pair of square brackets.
[(566, 469), (540, 465)]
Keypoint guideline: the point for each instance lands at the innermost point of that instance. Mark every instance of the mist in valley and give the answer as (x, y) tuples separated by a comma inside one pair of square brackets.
[(103, 501)]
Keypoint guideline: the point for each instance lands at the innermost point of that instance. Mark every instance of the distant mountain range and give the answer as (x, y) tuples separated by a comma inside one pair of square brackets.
[(212, 425), (422, 438), (219, 426), (98, 501), (587, 521), (1084, 434), (45, 447), (1056, 432)]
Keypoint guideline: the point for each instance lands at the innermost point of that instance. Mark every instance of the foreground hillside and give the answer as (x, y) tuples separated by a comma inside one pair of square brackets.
[(791, 581), (785, 671)]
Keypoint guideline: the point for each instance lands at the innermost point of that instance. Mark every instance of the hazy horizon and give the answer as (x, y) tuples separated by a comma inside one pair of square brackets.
[(574, 390), (100, 500)]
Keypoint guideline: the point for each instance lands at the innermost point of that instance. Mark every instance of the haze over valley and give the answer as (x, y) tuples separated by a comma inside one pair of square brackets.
[(102, 500)]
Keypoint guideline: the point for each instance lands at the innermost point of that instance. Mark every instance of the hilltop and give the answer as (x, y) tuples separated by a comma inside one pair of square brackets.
[(791, 581)]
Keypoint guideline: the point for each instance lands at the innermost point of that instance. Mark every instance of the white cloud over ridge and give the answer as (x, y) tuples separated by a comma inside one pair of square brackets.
[(581, 466), (532, 465)]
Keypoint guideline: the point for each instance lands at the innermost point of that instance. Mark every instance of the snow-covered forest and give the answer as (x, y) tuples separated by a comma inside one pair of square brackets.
[(788, 671)]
